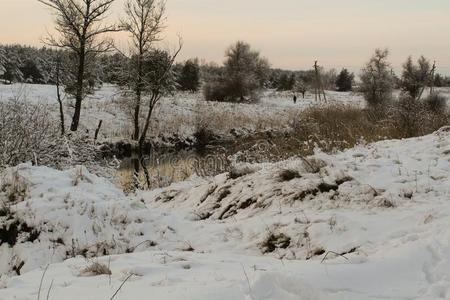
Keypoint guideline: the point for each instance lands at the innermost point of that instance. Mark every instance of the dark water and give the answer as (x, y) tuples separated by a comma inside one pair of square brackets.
[(166, 167)]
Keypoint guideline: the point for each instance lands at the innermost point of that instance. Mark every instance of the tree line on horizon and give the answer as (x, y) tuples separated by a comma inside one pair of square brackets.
[(37, 65)]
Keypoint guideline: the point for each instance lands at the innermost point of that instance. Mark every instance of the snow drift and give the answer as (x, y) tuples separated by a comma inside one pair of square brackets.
[(49, 215), (371, 222)]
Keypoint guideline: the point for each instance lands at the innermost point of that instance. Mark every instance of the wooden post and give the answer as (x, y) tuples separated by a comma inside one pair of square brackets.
[(318, 85), (98, 129), (58, 95), (316, 81)]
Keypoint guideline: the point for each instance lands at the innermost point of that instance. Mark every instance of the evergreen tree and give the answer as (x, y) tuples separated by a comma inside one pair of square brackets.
[(3, 61), (283, 82), (287, 82), (12, 69), (189, 77), (344, 81), (291, 82), (35, 64), (31, 72), (439, 80)]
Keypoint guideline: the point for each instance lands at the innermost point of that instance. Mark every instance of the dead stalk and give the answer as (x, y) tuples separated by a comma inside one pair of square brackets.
[(120, 287), (42, 280), (335, 253)]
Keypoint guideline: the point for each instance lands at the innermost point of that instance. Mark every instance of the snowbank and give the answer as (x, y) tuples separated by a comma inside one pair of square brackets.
[(368, 223), (49, 215)]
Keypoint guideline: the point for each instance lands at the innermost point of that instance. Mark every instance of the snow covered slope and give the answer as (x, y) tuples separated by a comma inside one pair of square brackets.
[(372, 222)]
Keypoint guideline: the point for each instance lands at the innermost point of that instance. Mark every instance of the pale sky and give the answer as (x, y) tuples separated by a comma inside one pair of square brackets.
[(290, 33)]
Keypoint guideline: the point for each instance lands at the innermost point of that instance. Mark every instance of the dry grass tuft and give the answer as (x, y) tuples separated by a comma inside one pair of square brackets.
[(275, 241), (96, 269)]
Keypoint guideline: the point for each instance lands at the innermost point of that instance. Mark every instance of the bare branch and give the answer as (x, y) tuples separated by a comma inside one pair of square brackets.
[(79, 23)]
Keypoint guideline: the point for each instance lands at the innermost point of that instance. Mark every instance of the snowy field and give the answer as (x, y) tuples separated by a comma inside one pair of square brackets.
[(180, 114), (176, 114), (372, 222)]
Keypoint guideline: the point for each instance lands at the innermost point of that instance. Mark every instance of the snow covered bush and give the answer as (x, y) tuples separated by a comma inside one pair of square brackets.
[(49, 216), (27, 132), (411, 117)]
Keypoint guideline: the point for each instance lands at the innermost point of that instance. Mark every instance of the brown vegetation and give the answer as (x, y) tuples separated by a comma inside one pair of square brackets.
[(338, 127)]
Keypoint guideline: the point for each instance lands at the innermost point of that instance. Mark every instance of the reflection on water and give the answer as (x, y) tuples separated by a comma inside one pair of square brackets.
[(167, 167)]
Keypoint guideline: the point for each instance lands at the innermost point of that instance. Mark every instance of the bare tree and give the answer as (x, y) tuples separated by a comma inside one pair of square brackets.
[(150, 68), (79, 23), (145, 22), (149, 73), (376, 79), (160, 80), (244, 76)]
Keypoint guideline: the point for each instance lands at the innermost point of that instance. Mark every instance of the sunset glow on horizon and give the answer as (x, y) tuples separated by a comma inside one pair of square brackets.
[(290, 33)]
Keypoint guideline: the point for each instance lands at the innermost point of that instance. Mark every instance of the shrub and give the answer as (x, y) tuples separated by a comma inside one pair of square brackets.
[(203, 136), (337, 127), (26, 132), (29, 134), (215, 91), (286, 82), (415, 118), (300, 87), (275, 241), (439, 81), (436, 103), (96, 269), (409, 116)]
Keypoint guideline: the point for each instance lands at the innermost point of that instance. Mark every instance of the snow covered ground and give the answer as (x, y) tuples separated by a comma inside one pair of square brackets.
[(372, 222)]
